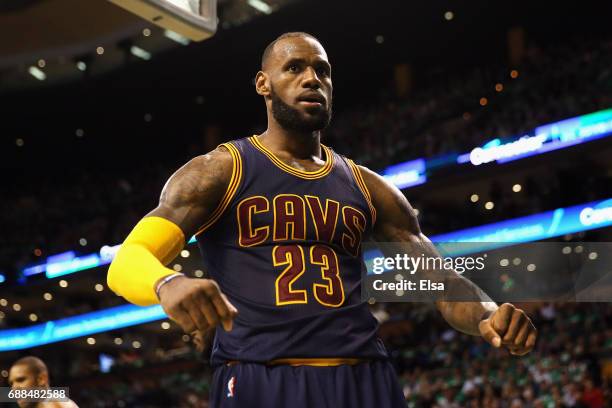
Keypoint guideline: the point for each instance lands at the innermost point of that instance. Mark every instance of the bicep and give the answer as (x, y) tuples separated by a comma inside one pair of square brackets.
[(193, 192)]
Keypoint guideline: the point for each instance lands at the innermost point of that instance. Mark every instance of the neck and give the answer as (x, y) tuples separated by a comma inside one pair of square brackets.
[(301, 145)]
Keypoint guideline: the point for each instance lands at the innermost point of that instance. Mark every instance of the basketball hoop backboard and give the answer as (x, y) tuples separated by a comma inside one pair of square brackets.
[(194, 19)]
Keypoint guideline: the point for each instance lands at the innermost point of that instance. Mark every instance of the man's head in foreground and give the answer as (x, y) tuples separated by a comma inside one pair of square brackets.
[(28, 372), (295, 80)]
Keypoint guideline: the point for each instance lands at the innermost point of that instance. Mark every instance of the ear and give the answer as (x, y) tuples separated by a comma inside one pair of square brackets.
[(262, 84), (42, 379)]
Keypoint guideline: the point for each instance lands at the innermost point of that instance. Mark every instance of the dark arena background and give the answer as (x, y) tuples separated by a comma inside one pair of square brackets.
[(100, 107)]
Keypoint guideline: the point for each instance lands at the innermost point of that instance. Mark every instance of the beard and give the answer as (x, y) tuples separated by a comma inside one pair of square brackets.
[(291, 118)]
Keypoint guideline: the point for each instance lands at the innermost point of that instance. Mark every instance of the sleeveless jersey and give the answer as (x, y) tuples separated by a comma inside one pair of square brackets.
[(284, 245)]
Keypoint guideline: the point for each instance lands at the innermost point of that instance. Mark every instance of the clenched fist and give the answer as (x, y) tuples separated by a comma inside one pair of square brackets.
[(196, 304), (509, 327)]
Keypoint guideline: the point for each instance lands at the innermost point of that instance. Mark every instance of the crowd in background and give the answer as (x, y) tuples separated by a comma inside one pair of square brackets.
[(443, 116), (446, 116), (438, 367), (571, 366)]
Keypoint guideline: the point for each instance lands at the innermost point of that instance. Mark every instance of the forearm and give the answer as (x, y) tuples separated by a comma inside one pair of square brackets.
[(139, 263), (462, 303)]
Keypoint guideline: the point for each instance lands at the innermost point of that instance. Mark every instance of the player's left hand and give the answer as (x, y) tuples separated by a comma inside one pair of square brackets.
[(509, 327)]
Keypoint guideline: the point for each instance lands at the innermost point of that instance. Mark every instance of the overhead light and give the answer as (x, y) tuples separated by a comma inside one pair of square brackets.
[(17, 307), (19, 142), (165, 325), (146, 32), (185, 253), (260, 6), (474, 198), (37, 73), (380, 39), (118, 341), (100, 50), (140, 53), (517, 188), (99, 287), (48, 296), (3, 302), (82, 242), (489, 205), (176, 37), (136, 344), (449, 15), (33, 317), (42, 63), (91, 341), (198, 273), (63, 283), (81, 66), (177, 267)]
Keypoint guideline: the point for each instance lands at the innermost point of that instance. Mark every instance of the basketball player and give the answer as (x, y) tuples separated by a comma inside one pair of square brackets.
[(279, 219), (31, 372)]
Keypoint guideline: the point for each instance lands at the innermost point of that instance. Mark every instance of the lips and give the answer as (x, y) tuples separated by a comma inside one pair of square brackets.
[(312, 99)]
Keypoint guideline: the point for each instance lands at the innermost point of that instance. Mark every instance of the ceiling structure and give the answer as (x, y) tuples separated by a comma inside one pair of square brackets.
[(61, 38)]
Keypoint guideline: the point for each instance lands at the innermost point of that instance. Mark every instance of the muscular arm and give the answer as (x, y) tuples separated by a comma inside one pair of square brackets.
[(194, 191), (188, 200), (397, 223)]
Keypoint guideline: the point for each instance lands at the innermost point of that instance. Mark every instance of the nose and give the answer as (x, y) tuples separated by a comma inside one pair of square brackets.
[(310, 79)]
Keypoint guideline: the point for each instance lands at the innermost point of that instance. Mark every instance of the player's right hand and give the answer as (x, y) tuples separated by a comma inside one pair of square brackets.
[(196, 304)]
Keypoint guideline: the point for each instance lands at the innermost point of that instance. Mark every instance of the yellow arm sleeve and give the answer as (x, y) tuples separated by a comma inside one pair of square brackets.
[(140, 261)]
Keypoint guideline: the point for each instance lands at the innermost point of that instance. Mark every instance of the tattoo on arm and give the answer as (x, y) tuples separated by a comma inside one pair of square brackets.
[(194, 191)]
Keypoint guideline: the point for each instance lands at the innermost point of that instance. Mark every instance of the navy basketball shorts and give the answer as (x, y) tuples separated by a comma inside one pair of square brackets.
[(365, 385)]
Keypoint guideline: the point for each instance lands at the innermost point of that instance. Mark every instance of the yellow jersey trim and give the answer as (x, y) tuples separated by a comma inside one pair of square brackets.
[(307, 175), (317, 362), (363, 187), (231, 188)]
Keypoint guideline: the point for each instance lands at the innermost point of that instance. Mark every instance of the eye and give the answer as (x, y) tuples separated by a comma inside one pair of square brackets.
[(293, 68), (322, 71)]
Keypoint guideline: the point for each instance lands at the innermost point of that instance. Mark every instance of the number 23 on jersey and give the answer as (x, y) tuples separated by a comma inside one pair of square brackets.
[(328, 293)]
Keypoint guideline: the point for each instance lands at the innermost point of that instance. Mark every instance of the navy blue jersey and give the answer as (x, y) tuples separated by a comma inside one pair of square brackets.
[(284, 245)]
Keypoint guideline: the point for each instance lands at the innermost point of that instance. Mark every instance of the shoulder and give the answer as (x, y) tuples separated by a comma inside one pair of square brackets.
[(376, 184), (390, 202), (218, 160), (201, 175)]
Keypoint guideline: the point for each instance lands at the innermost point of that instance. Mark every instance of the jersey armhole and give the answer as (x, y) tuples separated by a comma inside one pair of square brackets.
[(363, 188), (231, 188)]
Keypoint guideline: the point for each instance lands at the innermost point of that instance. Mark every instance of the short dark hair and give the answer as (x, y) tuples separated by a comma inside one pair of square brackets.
[(291, 34), (35, 364)]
